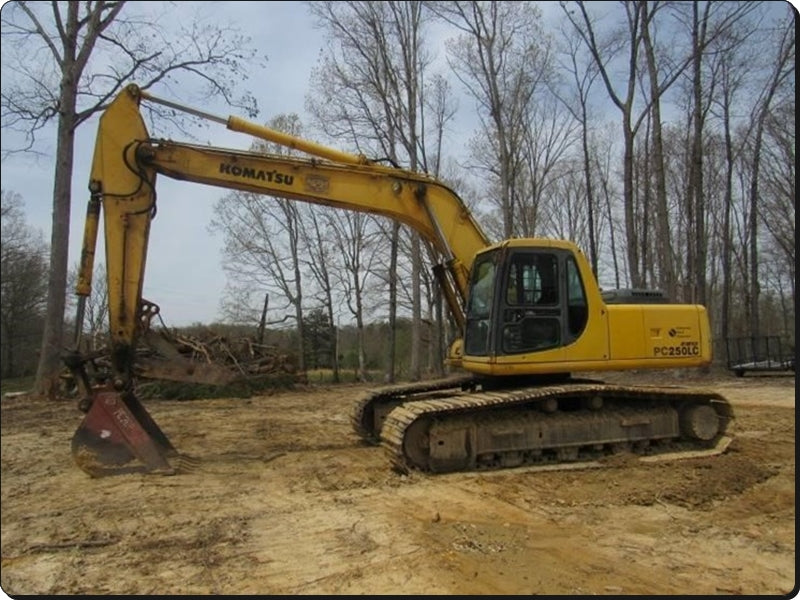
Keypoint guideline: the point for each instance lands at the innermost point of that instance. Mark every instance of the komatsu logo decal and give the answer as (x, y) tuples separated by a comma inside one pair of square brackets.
[(273, 176)]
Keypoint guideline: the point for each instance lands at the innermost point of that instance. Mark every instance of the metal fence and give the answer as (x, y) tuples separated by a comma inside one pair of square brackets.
[(759, 353)]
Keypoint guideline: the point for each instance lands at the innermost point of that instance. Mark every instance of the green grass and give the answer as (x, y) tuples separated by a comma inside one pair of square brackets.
[(345, 375), (16, 384), (252, 386)]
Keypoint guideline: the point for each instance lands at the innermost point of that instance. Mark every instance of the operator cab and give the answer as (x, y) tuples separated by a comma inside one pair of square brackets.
[(523, 299)]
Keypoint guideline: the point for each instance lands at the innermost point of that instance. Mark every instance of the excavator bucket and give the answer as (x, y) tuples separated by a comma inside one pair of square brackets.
[(117, 436)]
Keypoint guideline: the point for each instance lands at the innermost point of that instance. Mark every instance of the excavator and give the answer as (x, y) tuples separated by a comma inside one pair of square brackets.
[(529, 313)]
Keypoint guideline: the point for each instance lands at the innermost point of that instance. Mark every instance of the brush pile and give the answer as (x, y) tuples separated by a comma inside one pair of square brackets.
[(203, 364), (242, 355)]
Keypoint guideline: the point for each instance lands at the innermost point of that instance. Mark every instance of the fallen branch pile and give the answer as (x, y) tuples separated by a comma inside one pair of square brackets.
[(243, 354)]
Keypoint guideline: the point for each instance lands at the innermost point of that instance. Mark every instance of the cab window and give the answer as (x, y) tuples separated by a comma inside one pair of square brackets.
[(577, 310), (532, 314), (532, 280), (479, 307)]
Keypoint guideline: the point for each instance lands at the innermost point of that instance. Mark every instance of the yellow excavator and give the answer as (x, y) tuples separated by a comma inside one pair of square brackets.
[(529, 311)]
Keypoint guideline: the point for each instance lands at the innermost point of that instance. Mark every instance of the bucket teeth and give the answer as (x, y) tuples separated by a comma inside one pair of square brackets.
[(118, 436)]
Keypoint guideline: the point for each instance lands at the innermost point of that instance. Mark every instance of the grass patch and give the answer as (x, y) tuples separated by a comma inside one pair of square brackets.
[(345, 376), (16, 384), (246, 388)]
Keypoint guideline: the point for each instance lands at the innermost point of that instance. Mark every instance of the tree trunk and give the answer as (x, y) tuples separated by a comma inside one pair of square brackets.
[(727, 250), (53, 342), (590, 202), (755, 287), (698, 268), (628, 197), (663, 234)]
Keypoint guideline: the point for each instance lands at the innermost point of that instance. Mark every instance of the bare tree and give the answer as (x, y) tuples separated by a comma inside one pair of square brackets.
[(370, 90), (320, 250), (666, 267), (779, 187), (605, 52), (733, 79), (262, 236), (665, 64), (261, 250), (501, 56), (713, 22), (93, 49), (583, 77), (727, 81), (602, 161), (23, 287), (97, 310), (782, 70), (440, 110), (358, 252), (548, 135)]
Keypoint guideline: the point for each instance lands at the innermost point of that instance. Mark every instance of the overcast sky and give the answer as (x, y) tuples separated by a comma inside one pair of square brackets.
[(184, 276)]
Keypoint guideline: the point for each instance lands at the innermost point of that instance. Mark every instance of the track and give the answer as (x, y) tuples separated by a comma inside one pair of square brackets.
[(443, 427), (373, 407)]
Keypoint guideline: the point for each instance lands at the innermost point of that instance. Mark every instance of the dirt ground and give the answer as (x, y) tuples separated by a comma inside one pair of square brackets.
[(287, 500)]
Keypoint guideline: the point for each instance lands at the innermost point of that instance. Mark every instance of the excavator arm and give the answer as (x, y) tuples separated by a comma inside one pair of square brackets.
[(126, 164), (123, 180)]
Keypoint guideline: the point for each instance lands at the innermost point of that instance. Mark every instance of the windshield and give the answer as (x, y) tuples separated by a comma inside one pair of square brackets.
[(479, 306), (481, 287)]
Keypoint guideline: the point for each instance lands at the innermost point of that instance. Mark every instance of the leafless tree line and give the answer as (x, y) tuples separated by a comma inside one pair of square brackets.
[(689, 189)]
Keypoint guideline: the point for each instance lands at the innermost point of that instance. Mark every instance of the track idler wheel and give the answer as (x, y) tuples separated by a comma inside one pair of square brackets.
[(118, 436), (699, 422)]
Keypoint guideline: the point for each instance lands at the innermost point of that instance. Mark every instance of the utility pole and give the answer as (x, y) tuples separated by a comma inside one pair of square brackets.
[(263, 320)]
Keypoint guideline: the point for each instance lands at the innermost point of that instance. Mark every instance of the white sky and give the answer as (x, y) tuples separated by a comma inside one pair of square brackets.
[(184, 276)]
